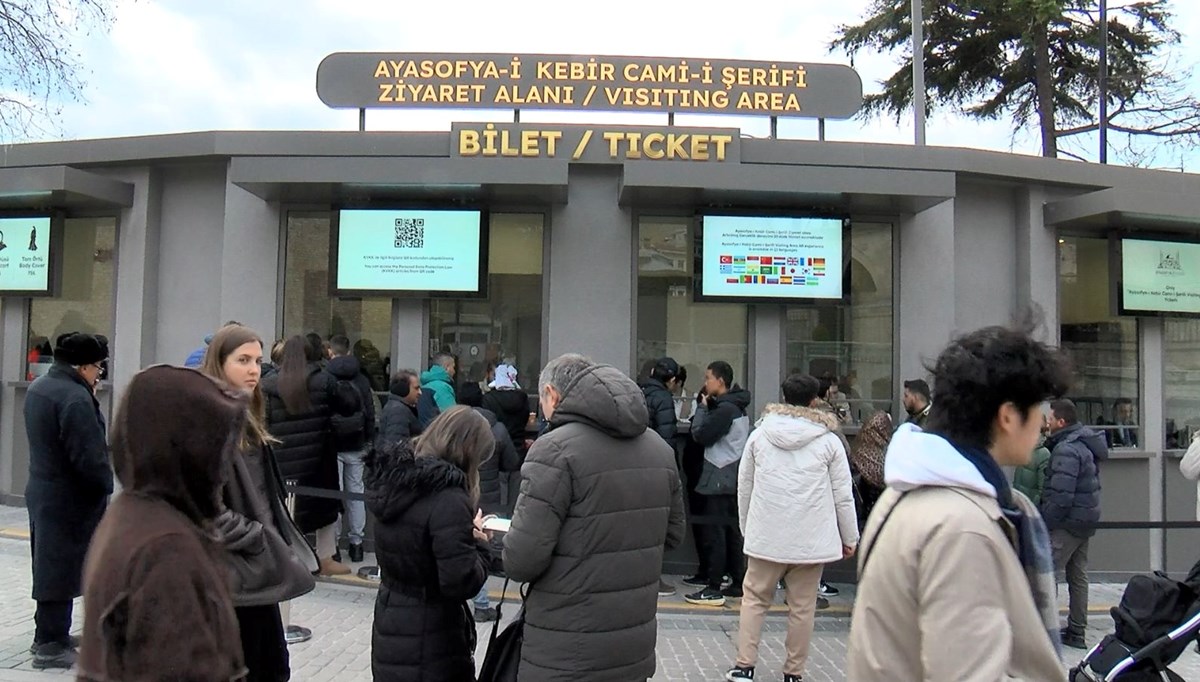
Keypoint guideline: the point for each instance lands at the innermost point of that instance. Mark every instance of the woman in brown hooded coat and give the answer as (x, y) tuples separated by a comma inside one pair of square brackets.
[(158, 607)]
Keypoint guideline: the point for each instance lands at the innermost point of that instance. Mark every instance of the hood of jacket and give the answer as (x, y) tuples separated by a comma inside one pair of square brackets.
[(1091, 439), (917, 459), (653, 386), (604, 398), (435, 373), (345, 367), (396, 479), (792, 427), (737, 396), (175, 432), (487, 414), (509, 400)]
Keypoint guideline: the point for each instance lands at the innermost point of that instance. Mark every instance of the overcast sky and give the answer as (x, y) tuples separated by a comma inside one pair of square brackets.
[(185, 65)]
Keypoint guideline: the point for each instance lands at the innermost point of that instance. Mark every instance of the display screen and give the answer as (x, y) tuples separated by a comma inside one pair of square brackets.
[(411, 251), (769, 258), (1159, 277), (25, 256)]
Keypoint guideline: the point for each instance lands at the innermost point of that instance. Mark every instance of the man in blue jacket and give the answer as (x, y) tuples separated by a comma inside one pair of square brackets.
[(1070, 503), (70, 479)]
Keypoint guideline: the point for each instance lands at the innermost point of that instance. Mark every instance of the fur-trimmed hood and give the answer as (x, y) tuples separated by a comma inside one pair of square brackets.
[(395, 479), (791, 427)]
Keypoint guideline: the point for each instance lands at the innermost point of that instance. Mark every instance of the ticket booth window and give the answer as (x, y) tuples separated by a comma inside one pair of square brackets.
[(849, 342), (85, 300), (1102, 346), (669, 322), (506, 327), (1181, 384), (309, 307)]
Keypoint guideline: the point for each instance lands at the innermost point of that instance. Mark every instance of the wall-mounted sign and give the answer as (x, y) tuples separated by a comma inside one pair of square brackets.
[(596, 144), (27, 256), (364, 80)]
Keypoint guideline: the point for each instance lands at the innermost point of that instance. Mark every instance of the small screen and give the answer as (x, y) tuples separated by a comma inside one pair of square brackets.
[(1160, 277), (771, 257), (409, 250), (25, 255)]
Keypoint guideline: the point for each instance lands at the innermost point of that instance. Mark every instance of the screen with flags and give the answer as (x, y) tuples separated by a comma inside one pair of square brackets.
[(769, 258)]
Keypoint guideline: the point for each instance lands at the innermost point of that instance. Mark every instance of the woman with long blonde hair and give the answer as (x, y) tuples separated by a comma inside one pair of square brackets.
[(433, 554), (269, 560)]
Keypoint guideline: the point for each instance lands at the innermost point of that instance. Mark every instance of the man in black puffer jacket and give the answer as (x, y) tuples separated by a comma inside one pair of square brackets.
[(1070, 501), (660, 402), (601, 497)]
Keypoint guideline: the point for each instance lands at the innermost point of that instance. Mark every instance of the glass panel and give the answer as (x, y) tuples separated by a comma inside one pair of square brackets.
[(669, 322), (1103, 347), (85, 303), (1181, 385), (851, 344), (308, 306), (507, 326)]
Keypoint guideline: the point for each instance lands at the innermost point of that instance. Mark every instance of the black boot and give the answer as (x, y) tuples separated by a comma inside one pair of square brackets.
[(356, 553)]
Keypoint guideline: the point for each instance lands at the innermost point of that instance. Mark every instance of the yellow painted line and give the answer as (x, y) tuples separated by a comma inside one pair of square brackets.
[(14, 533)]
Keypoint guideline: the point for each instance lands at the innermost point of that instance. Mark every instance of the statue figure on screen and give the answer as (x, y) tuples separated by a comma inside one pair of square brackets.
[(3, 246), (33, 239)]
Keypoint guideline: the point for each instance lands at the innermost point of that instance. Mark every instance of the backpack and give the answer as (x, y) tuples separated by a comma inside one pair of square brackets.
[(1152, 606), (349, 431)]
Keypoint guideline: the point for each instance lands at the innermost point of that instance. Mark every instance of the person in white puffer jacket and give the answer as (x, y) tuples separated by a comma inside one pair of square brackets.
[(796, 510)]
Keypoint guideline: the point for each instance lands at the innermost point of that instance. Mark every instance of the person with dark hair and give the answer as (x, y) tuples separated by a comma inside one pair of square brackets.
[(867, 457), (433, 553), (1126, 433), (600, 499), (156, 581), (267, 556), (955, 572), (301, 401), (437, 388), (70, 479), (794, 474), (1070, 502), (917, 401), (658, 390), (722, 427), (399, 421), (352, 435)]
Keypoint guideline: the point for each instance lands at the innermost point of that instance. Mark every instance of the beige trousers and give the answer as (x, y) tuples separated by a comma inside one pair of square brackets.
[(758, 593)]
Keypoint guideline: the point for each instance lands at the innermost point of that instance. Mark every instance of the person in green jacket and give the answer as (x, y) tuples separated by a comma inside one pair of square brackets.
[(1031, 478), (439, 381)]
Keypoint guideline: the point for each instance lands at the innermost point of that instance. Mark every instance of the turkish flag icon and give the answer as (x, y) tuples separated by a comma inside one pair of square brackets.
[(726, 260)]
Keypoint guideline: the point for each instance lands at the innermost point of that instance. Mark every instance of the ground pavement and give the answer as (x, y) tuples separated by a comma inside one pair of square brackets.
[(694, 643)]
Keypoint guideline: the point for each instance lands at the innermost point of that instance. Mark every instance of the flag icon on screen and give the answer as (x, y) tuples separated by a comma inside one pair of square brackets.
[(726, 269), (785, 280), (731, 280), (747, 279), (753, 258), (765, 260), (793, 261), (772, 280), (819, 261), (739, 260), (726, 260)]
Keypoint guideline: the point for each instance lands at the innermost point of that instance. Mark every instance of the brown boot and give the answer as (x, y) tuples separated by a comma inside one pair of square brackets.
[(330, 567)]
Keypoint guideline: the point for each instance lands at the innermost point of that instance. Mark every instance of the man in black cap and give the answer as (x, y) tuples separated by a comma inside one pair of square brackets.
[(917, 401), (70, 479)]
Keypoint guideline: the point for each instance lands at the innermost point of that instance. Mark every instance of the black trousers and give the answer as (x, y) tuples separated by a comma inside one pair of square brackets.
[(723, 541), (52, 622), (263, 643)]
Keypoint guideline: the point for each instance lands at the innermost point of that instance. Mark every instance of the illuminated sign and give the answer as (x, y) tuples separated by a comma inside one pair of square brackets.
[(597, 144), (364, 80)]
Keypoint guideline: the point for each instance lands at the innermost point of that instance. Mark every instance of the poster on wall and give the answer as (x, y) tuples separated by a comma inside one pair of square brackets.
[(1159, 278), (410, 252), (769, 258), (25, 256)]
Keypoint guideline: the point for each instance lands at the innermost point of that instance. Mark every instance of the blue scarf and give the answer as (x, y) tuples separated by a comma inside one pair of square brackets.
[(1033, 540)]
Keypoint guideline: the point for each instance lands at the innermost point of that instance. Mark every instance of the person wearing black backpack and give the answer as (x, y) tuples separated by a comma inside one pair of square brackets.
[(352, 434)]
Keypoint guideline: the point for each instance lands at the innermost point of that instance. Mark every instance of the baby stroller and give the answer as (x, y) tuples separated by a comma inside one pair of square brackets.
[(1156, 621)]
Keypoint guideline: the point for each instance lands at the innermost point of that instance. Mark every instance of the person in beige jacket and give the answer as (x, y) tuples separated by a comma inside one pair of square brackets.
[(1189, 466), (956, 581), (796, 510)]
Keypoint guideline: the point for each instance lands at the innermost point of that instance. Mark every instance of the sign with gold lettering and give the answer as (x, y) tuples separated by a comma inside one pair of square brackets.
[(593, 144), (365, 80)]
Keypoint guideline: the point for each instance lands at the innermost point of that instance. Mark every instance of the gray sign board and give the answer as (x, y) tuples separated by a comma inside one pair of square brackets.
[(366, 80), (594, 143)]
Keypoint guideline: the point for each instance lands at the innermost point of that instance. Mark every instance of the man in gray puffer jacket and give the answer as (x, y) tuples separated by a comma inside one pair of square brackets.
[(1070, 501), (600, 497)]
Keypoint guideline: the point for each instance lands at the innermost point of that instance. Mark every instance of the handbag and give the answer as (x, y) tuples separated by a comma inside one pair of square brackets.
[(503, 657)]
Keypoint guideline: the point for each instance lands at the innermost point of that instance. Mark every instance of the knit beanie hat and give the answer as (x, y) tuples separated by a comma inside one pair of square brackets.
[(78, 349)]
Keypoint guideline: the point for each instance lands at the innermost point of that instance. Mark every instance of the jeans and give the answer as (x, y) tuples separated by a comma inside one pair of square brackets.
[(52, 622), (1071, 555), (481, 600), (350, 470)]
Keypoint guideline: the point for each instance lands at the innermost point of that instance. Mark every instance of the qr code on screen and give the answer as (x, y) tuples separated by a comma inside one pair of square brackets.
[(410, 233)]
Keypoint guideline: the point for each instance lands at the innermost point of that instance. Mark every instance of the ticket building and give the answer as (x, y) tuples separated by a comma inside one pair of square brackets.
[(520, 241)]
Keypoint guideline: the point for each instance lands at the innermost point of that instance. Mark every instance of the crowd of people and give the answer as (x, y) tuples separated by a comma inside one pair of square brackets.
[(204, 549)]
